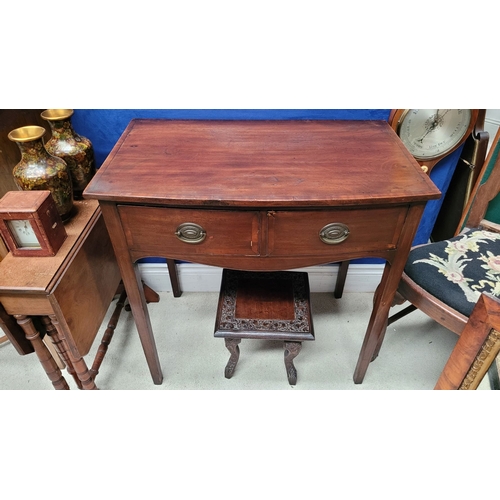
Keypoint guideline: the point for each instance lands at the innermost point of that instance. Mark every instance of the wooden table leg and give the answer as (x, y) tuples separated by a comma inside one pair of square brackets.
[(292, 350), (60, 348), (341, 277), (174, 279), (46, 359), (135, 291), (385, 295), (234, 349), (78, 364), (108, 335)]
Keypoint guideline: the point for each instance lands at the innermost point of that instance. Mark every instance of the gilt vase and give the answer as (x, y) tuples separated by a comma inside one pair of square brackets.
[(77, 151), (39, 170)]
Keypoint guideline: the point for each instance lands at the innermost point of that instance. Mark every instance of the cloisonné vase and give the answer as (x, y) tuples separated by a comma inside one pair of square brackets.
[(38, 170), (77, 151)]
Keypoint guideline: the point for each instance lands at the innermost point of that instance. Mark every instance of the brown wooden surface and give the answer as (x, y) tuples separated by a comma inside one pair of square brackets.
[(260, 163), (236, 176), (87, 288), (264, 299)]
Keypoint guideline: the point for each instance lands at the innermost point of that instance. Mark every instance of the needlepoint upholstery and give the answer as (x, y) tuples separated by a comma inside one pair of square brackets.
[(458, 270)]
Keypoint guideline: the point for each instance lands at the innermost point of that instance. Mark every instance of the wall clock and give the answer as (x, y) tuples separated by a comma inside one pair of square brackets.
[(432, 134), (30, 224)]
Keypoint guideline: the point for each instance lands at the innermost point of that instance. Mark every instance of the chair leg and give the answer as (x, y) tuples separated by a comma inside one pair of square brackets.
[(292, 350), (233, 348)]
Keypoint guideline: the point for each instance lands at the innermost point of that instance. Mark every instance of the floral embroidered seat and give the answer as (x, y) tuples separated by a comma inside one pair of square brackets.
[(458, 270)]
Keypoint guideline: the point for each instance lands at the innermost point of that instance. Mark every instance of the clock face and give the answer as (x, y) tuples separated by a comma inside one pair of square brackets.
[(430, 133), (23, 234)]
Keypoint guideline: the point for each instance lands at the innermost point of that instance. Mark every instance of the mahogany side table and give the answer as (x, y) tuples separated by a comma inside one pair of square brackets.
[(67, 295), (261, 196)]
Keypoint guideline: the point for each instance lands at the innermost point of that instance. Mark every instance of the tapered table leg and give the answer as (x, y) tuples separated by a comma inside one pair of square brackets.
[(46, 359), (174, 279), (78, 364)]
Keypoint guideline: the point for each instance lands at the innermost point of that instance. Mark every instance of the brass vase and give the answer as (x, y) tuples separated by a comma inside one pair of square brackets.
[(38, 170), (77, 151)]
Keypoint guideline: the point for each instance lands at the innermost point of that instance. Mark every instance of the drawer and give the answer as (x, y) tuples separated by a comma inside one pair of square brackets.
[(300, 233), (182, 232)]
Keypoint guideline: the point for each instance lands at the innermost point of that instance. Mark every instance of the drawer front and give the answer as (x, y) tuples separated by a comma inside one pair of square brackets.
[(328, 232), (181, 233)]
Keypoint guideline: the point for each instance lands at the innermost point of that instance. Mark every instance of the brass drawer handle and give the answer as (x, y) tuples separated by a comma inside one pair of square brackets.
[(190, 233), (334, 233)]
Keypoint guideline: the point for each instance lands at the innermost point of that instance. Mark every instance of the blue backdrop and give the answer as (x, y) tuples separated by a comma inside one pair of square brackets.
[(105, 126)]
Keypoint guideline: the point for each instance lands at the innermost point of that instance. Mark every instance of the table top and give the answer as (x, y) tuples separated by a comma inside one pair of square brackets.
[(41, 274), (251, 164)]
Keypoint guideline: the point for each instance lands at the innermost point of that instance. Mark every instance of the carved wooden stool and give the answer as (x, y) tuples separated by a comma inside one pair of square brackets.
[(264, 305)]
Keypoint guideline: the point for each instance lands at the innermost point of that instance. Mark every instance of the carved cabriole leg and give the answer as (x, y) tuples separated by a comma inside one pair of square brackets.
[(108, 335), (233, 348), (292, 350), (78, 364), (60, 348), (46, 359)]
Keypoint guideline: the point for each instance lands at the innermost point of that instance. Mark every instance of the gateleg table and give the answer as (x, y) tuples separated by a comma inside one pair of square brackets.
[(66, 295)]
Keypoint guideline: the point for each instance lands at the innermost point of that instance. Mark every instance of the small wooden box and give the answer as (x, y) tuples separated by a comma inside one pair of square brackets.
[(30, 224)]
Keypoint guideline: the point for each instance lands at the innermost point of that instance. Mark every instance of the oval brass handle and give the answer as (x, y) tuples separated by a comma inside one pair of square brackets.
[(190, 233), (334, 233)]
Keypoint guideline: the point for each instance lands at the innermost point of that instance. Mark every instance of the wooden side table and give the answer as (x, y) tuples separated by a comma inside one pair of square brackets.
[(261, 196), (66, 295)]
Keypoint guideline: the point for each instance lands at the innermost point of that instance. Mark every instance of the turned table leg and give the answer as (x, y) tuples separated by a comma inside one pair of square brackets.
[(60, 348), (292, 350), (46, 359), (108, 335), (78, 364)]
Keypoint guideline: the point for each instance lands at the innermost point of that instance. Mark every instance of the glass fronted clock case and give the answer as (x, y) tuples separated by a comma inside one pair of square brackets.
[(30, 224)]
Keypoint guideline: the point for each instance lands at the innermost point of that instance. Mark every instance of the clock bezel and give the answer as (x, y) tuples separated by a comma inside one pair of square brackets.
[(16, 237)]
